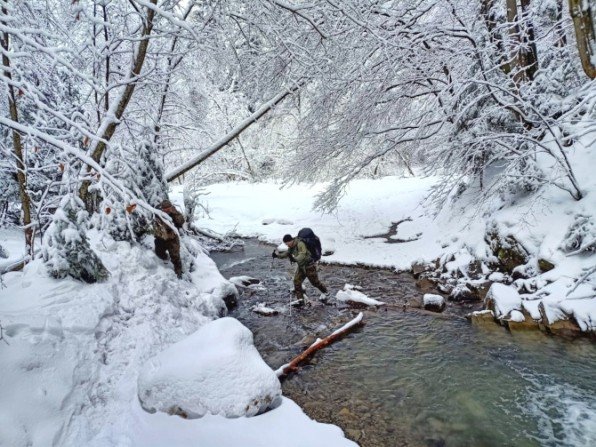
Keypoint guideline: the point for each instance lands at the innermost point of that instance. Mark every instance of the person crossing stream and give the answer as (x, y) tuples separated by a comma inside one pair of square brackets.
[(414, 378)]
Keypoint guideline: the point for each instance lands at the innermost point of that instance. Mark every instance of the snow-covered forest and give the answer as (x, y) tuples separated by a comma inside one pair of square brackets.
[(452, 139)]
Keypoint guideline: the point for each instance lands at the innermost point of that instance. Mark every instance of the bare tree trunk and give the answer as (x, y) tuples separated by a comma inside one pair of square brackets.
[(486, 9), (524, 59), (16, 141), (125, 98), (529, 52), (562, 38), (581, 12)]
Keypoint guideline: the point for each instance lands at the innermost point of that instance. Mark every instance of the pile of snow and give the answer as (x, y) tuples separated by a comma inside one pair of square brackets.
[(216, 370), (263, 309), (352, 294)]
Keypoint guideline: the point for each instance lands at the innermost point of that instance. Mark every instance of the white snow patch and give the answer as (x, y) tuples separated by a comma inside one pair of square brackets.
[(505, 299), (433, 300), (516, 316), (349, 293), (216, 370)]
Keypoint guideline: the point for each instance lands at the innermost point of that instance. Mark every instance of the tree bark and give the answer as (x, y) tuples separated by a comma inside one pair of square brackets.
[(320, 344), (125, 98), (581, 12), (524, 59), (16, 141)]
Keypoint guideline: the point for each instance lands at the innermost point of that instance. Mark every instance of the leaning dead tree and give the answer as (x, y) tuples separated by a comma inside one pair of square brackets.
[(233, 134), (288, 368)]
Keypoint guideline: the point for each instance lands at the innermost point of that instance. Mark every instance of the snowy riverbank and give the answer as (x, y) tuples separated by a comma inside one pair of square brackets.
[(72, 353)]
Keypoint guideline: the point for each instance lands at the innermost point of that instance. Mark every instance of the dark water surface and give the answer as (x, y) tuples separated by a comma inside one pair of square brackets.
[(413, 378)]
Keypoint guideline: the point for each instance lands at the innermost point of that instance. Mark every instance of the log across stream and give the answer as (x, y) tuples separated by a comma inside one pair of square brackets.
[(413, 378)]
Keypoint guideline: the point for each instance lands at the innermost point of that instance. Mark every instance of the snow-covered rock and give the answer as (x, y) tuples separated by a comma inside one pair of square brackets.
[(435, 303), (350, 295), (502, 299), (261, 308), (216, 370)]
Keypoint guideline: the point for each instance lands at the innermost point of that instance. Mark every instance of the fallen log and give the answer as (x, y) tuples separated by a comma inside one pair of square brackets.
[(320, 344)]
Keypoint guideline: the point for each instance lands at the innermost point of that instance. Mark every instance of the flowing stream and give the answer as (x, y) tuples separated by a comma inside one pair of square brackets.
[(413, 378)]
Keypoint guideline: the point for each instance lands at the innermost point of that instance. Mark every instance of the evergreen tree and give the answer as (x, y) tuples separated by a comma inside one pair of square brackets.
[(66, 250)]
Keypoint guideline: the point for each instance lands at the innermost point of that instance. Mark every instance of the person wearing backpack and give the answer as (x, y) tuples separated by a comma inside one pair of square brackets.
[(305, 257)]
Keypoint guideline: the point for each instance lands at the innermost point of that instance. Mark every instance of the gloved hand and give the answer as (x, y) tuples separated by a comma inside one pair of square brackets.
[(274, 254), (292, 260)]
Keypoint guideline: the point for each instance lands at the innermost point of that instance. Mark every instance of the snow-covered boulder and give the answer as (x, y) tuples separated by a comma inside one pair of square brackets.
[(434, 303), (502, 299), (215, 370)]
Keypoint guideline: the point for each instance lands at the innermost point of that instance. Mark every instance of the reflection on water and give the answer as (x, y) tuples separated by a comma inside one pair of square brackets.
[(413, 379)]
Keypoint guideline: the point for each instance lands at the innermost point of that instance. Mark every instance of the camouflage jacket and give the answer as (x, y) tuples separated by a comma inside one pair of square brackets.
[(298, 253), (163, 231)]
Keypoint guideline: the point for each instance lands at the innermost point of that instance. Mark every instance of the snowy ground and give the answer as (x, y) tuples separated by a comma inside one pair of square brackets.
[(539, 222), (72, 354)]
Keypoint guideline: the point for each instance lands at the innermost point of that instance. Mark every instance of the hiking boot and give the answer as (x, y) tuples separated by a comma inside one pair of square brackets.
[(298, 303)]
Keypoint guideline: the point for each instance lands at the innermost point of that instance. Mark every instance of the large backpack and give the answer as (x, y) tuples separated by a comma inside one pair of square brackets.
[(312, 242)]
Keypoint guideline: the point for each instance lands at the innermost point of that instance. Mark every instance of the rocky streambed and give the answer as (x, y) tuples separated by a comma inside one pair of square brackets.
[(416, 378)]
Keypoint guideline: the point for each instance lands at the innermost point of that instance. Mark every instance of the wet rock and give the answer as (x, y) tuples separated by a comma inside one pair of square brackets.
[(415, 302), (425, 285), (462, 293), (484, 318), (419, 268), (474, 269), (520, 320), (545, 265), (508, 250), (445, 288), (231, 301), (479, 290)]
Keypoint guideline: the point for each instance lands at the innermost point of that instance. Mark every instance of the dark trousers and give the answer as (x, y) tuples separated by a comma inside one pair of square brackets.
[(164, 247), (310, 272)]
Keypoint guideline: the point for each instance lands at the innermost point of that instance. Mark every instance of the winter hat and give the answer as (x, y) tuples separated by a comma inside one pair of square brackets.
[(287, 238)]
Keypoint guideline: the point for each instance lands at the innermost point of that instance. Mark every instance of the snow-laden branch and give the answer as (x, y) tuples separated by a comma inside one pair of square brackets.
[(174, 174)]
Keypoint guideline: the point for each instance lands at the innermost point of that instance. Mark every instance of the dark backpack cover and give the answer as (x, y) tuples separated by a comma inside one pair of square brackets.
[(312, 242)]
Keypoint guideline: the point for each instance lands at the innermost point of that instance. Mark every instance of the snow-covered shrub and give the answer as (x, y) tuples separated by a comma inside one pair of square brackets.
[(141, 172), (581, 235), (66, 250)]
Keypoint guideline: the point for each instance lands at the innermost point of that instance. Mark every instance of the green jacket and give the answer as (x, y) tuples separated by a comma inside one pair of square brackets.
[(299, 253)]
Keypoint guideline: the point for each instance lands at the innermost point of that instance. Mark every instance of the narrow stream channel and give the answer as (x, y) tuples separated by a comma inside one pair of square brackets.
[(409, 378)]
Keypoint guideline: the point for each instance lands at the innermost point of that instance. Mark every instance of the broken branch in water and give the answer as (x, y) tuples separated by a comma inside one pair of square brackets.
[(320, 344)]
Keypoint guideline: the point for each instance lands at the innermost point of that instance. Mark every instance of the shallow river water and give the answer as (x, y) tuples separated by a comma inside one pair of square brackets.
[(412, 378)]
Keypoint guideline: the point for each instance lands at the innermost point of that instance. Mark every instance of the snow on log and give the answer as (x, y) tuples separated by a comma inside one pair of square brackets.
[(352, 296), (320, 344)]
